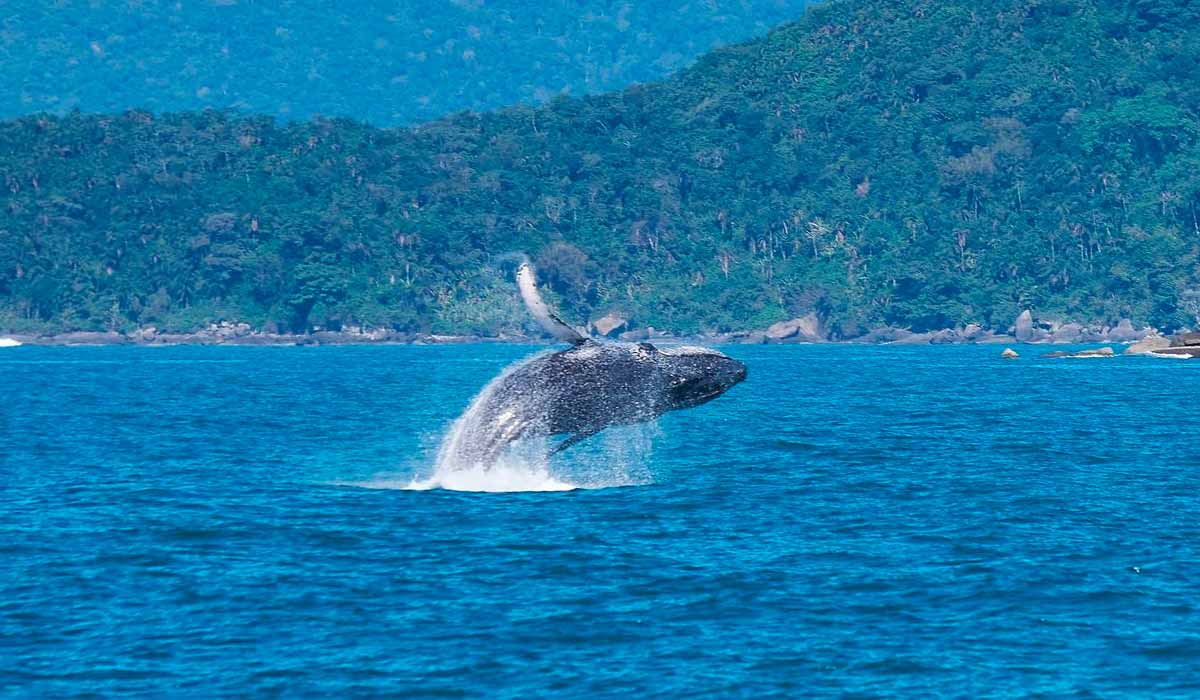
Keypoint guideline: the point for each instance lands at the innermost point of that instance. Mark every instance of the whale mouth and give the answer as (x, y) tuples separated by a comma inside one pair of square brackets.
[(689, 393)]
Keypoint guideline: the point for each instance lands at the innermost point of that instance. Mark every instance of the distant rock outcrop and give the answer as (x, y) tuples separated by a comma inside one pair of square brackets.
[(1186, 340), (1182, 345), (1148, 345), (1009, 354), (609, 324), (1124, 332), (1067, 333), (1098, 352), (1187, 351), (1023, 327), (804, 329)]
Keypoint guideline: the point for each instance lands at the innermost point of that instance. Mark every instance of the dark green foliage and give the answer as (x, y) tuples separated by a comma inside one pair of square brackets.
[(912, 163)]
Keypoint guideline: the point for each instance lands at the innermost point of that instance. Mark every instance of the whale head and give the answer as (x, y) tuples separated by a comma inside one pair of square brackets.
[(697, 375)]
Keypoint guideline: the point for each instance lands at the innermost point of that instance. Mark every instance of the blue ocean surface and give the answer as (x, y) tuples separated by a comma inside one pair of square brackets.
[(850, 521)]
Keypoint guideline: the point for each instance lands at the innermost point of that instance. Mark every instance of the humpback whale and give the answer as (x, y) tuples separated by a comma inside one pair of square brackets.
[(580, 391)]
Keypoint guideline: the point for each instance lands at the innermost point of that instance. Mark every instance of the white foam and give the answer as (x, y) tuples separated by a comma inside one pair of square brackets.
[(501, 477), (686, 350), (613, 459), (9, 343), (1170, 356), (617, 457)]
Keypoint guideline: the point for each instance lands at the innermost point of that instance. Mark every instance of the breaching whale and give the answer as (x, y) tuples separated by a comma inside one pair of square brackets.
[(583, 390)]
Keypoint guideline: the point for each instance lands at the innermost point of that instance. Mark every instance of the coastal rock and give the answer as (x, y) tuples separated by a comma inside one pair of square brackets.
[(1124, 332), (972, 332), (1009, 354), (1023, 327), (990, 338), (913, 339), (1098, 352), (806, 328), (89, 338), (1186, 340), (1147, 345), (945, 336), (1189, 351), (635, 335), (886, 334), (609, 324), (1067, 333)]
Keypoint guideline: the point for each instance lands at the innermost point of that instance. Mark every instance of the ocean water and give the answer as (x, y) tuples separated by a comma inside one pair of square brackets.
[(849, 522)]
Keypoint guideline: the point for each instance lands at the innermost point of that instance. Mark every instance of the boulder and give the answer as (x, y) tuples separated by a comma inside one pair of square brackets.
[(1147, 345), (805, 328), (946, 336), (1124, 332), (1023, 327), (913, 339), (1009, 354), (1185, 352), (990, 338), (781, 330), (609, 324), (1067, 333), (148, 334), (1186, 340), (635, 335), (1098, 352), (971, 332)]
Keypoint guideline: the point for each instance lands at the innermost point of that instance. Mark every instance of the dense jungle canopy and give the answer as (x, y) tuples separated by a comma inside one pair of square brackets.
[(911, 163)]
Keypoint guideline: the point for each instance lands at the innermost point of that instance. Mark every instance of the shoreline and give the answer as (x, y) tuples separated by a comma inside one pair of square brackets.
[(808, 329), (98, 339)]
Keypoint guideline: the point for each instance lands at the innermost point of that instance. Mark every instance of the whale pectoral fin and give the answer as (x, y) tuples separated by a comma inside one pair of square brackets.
[(527, 284), (572, 440)]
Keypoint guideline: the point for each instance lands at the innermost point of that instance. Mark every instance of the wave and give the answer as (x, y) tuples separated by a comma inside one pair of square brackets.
[(617, 458), (502, 477)]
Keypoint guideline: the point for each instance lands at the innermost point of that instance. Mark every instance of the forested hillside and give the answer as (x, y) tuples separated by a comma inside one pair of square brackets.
[(387, 62), (914, 163)]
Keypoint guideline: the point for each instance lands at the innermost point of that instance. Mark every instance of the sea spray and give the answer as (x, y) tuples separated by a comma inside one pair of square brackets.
[(457, 451), (617, 457)]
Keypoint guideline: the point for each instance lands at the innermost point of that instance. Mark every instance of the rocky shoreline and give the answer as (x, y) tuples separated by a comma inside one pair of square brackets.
[(805, 329)]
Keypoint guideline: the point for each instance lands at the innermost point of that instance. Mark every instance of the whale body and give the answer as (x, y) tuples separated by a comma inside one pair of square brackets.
[(580, 391)]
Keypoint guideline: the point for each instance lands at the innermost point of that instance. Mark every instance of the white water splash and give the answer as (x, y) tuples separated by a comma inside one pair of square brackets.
[(616, 457), (506, 476)]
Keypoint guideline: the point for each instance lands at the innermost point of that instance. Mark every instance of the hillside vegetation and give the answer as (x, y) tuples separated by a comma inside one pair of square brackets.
[(916, 163), (386, 62)]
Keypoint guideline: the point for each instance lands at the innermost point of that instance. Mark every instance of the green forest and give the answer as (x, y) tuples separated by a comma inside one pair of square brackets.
[(909, 163)]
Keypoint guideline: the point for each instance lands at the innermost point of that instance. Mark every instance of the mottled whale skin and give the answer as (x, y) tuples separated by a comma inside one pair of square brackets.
[(583, 390)]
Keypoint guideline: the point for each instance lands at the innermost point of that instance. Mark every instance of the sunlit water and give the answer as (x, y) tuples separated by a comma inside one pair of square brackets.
[(867, 521)]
